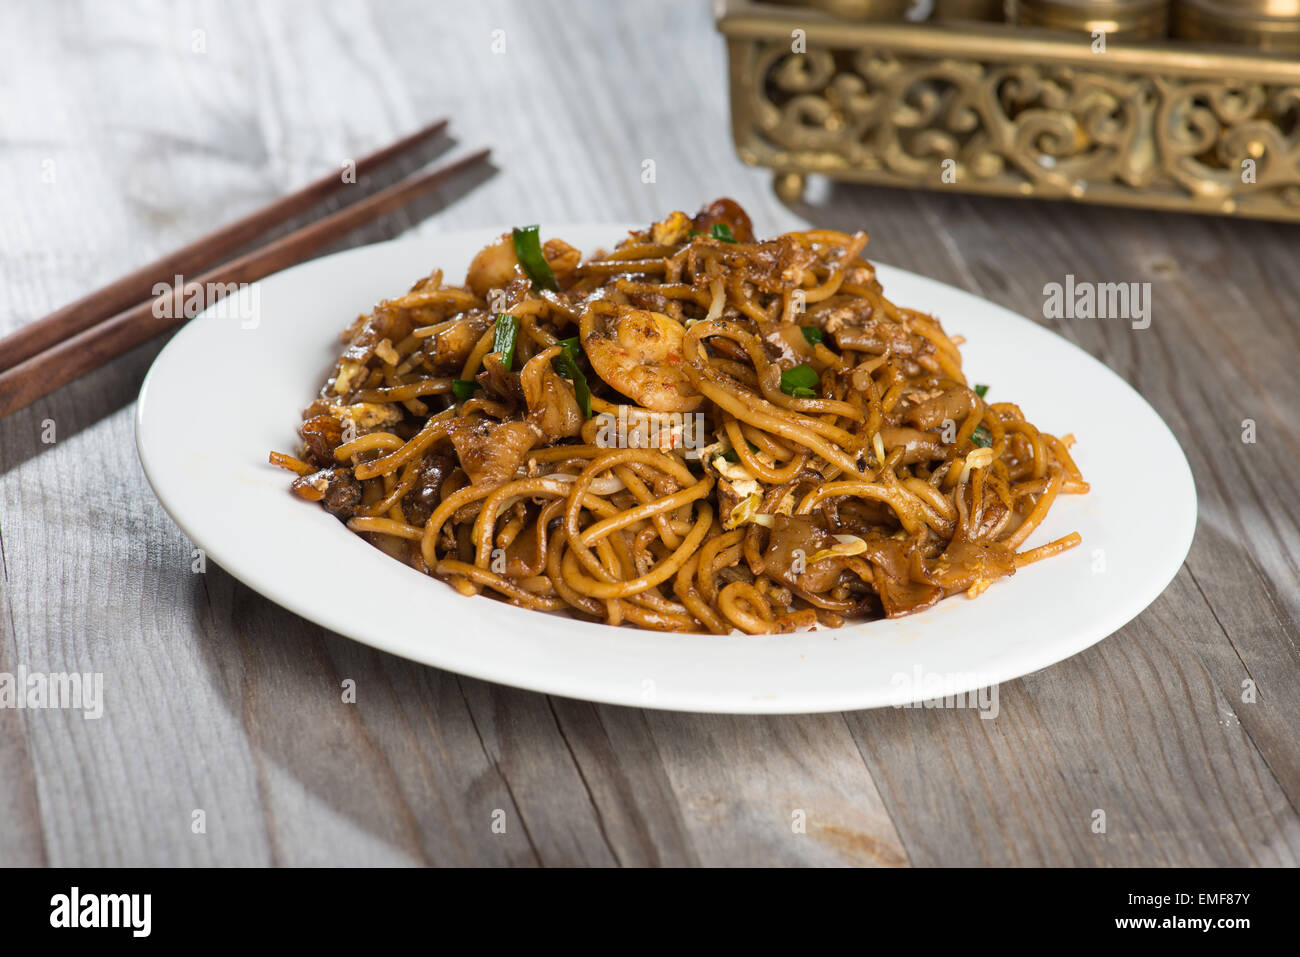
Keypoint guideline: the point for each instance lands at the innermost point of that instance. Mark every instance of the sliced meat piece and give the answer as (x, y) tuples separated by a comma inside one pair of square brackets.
[(321, 435), (337, 489), (776, 265), (900, 598), (386, 322), (445, 353), (491, 451), (965, 563), (839, 311), (794, 539), (497, 383), (418, 504), (891, 560)]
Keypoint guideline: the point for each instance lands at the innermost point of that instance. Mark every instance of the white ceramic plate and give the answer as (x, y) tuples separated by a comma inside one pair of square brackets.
[(225, 391)]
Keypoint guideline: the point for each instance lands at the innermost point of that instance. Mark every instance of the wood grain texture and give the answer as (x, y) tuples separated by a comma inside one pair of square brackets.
[(217, 700)]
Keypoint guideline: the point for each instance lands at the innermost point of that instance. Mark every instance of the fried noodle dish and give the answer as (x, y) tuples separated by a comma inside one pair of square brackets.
[(697, 431)]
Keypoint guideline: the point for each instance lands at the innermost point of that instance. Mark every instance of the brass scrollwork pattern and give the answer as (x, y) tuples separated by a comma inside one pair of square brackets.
[(1209, 143)]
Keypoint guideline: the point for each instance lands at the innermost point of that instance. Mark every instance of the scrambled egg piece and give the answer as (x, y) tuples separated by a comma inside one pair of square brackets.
[(742, 483), (672, 230), (368, 415), (348, 370)]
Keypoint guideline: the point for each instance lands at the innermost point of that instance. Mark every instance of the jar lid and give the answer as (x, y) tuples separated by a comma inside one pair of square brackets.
[(1141, 19), (1246, 22)]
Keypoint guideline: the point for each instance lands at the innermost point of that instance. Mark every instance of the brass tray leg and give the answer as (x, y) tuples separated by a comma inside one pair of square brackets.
[(790, 186)]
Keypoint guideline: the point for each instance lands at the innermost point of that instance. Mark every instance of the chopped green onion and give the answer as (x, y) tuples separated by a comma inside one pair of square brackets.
[(528, 250), (722, 233), (464, 388), (812, 334), (503, 343), (801, 382), (981, 390), (982, 437), (566, 364), (732, 456)]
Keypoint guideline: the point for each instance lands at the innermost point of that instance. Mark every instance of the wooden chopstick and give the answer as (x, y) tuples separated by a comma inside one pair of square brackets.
[(203, 253), (91, 348)]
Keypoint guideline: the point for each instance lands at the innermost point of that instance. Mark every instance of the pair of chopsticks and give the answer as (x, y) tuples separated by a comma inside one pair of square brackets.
[(49, 353)]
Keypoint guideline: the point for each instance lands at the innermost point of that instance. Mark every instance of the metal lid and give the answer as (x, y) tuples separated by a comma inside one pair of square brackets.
[(1271, 25), (1139, 19)]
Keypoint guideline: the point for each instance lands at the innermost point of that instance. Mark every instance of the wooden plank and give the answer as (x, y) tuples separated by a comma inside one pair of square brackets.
[(21, 843), (358, 756), (763, 791), (218, 700), (1132, 728), (628, 783)]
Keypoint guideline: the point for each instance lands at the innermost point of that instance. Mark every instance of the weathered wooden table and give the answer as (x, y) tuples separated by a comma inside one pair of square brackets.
[(127, 130)]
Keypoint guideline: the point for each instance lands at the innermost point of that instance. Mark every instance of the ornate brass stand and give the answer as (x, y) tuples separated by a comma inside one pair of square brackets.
[(1014, 111)]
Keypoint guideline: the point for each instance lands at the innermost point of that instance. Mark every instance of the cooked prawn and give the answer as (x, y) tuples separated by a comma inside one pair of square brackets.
[(496, 264), (639, 352)]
